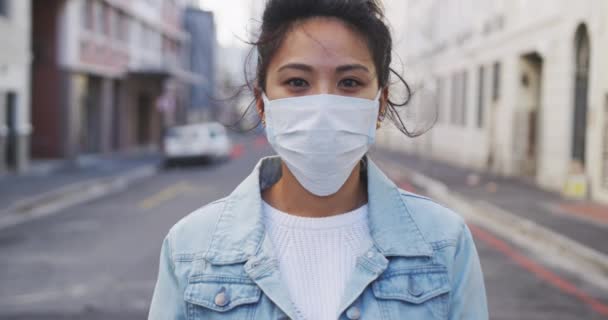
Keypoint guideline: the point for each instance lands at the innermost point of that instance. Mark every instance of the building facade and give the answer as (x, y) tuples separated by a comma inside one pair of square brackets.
[(107, 74), (200, 24), (15, 64), (518, 87)]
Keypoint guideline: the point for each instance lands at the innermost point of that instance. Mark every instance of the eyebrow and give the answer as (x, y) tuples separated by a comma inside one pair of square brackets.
[(350, 67), (297, 66), (307, 68)]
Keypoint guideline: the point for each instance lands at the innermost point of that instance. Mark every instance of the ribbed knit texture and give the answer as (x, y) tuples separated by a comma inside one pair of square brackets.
[(317, 256)]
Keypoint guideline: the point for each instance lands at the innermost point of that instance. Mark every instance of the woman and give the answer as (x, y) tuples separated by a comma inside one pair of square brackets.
[(319, 232)]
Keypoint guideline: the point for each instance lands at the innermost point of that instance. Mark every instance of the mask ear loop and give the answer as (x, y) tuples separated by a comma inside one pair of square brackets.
[(377, 98), (268, 129), (266, 103), (381, 115)]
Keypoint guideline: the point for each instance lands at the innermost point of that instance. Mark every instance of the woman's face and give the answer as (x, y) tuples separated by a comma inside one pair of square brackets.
[(322, 56)]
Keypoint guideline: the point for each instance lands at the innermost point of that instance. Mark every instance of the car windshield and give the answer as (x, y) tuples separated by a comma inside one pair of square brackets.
[(173, 132)]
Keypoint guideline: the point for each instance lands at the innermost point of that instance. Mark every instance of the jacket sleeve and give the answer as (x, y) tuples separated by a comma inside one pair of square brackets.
[(167, 301), (468, 295)]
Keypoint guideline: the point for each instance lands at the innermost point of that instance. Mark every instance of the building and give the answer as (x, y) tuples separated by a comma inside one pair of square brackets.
[(107, 74), (15, 63), (518, 86), (200, 25)]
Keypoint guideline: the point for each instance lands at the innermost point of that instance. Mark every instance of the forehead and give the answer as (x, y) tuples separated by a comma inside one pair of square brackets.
[(323, 42)]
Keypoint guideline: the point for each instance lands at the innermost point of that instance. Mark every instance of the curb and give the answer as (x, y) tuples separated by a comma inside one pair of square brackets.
[(74, 194), (554, 248)]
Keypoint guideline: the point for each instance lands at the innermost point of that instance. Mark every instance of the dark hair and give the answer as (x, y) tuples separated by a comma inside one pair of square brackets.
[(365, 16)]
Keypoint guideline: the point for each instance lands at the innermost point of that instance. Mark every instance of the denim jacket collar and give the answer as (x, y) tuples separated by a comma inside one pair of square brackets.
[(239, 233)]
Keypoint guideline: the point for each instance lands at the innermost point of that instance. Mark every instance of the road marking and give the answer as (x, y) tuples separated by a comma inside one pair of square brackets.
[(571, 212), (166, 194), (105, 284), (56, 294), (42, 296), (541, 272)]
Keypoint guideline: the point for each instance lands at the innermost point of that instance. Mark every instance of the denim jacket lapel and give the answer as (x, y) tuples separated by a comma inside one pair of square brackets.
[(263, 269), (392, 227), (393, 231), (239, 236)]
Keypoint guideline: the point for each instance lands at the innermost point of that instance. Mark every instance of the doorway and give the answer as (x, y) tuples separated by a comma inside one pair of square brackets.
[(581, 88), (116, 115), (90, 129), (143, 119), (12, 136), (527, 122)]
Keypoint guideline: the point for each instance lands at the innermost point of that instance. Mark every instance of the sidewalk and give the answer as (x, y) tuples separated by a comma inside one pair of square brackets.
[(581, 221), (88, 177)]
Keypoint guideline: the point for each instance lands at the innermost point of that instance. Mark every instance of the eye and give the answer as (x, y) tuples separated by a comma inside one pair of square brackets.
[(297, 82), (350, 83)]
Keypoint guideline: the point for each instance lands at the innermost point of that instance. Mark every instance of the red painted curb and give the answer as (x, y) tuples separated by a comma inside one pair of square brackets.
[(541, 272), (260, 142), (529, 265), (237, 151)]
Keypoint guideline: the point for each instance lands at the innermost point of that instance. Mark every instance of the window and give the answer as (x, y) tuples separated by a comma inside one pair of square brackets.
[(480, 96), (463, 107), (605, 153), (88, 15), (439, 100), (148, 38), (496, 82), (105, 20), (142, 31), (157, 40), (459, 98), (134, 31), (97, 17), (455, 99), (123, 26), (4, 8), (113, 19)]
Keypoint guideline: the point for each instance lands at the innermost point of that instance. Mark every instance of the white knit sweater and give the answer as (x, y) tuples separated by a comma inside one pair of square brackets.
[(317, 256)]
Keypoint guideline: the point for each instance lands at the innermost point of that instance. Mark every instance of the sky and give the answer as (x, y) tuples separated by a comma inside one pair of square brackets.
[(234, 18)]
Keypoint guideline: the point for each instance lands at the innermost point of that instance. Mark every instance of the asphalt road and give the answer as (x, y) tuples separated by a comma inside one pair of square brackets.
[(99, 260)]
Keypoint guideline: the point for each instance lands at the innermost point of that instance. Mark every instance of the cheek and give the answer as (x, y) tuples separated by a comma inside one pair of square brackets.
[(273, 88)]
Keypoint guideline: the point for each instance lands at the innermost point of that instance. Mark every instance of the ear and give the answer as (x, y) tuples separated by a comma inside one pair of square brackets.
[(259, 102), (383, 101)]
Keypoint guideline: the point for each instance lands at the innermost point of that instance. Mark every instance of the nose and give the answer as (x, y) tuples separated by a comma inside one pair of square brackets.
[(325, 87)]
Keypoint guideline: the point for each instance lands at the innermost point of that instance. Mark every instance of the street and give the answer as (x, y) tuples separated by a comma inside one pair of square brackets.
[(99, 260), (496, 110)]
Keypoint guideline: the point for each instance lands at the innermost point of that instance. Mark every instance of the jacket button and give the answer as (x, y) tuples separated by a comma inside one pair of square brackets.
[(353, 313), (221, 299)]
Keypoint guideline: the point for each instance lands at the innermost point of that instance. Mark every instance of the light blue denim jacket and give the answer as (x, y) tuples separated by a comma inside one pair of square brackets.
[(217, 263)]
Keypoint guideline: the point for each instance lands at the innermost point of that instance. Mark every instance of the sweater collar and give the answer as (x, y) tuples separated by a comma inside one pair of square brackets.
[(240, 231)]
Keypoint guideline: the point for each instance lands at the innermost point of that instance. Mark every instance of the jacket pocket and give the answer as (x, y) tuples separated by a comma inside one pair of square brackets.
[(420, 293), (221, 299)]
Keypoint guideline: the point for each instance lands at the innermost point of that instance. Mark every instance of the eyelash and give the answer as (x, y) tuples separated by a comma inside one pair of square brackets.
[(290, 82), (357, 83)]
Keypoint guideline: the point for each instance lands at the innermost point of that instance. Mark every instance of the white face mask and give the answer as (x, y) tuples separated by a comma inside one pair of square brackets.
[(321, 138)]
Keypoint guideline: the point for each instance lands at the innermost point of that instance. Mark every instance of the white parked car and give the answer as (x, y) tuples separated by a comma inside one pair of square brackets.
[(196, 142)]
